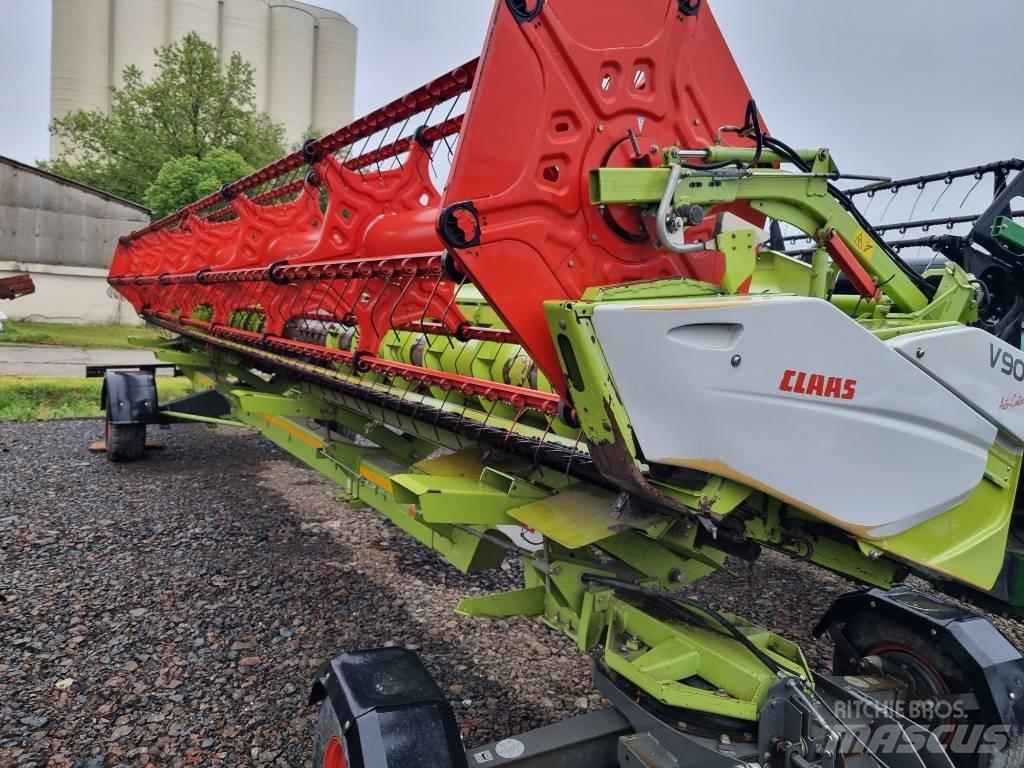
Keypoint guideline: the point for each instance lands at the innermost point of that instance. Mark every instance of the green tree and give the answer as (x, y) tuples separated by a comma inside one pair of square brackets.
[(192, 106), (182, 180)]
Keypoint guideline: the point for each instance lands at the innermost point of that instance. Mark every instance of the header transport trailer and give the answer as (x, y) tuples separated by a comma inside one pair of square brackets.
[(577, 286)]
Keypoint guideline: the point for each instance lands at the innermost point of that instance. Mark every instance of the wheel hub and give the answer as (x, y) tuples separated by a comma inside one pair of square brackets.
[(335, 754)]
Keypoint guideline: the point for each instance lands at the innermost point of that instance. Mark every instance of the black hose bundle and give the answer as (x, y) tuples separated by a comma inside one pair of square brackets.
[(784, 150)]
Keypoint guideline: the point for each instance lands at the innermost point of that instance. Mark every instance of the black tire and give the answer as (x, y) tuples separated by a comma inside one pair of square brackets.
[(328, 739), (125, 442), (871, 635)]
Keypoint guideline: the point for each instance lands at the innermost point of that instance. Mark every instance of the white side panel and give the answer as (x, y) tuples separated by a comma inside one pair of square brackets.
[(981, 369), (790, 395)]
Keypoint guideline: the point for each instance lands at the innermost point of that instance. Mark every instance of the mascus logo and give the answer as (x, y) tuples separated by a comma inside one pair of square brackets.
[(815, 384)]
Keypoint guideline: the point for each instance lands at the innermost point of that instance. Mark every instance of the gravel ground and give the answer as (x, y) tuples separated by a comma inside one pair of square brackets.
[(173, 612)]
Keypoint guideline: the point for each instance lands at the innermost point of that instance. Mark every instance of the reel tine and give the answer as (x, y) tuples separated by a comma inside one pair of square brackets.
[(920, 192), (573, 455), (383, 138), (374, 302), (265, 296), (398, 157), (947, 182), (339, 310), (452, 301), (511, 429), (451, 111), (870, 200), (895, 192), (362, 152), (542, 441), (978, 177), (430, 300), (407, 283), (321, 289)]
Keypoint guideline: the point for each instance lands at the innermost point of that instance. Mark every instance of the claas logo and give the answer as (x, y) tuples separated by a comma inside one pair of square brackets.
[(818, 385)]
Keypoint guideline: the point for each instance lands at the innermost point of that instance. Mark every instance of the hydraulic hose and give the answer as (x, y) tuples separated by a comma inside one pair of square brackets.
[(790, 154)]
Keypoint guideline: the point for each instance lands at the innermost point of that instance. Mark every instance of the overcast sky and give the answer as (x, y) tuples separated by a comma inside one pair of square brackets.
[(892, 86)]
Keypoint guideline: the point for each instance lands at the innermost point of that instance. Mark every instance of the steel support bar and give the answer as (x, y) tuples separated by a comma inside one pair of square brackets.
[(923, 224), (590, 740), (978, 171), (176, 416), (99, 371), (419, 265), (279, 193)]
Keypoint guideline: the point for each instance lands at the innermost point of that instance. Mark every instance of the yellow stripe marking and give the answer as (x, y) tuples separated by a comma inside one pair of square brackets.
[(296, 432), (381, 481)]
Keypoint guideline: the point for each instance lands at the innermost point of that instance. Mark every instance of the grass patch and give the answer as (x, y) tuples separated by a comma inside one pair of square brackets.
[(69, 335), (34, 398)]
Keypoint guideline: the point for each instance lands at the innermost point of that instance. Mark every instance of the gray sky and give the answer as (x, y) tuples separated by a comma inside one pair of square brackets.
[(894, 87)]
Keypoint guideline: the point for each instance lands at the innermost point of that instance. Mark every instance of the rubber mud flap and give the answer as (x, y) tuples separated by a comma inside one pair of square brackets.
[(392, 713)]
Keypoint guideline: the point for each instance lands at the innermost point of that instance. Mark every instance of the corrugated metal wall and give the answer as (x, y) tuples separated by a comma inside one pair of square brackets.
[(45, 220)]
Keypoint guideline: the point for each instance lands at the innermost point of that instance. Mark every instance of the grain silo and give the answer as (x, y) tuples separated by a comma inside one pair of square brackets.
[(334, 88), (292, 38), (303, 56), (139, 27), (80, 75), (246, 29), (200, 16)]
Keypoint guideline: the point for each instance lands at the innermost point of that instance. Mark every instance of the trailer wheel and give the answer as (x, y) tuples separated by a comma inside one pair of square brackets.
[(929, 672), (125, 442), (330, 749)]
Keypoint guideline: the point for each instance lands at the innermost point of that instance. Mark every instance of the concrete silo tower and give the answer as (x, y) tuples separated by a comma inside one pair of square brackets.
[(246, 29), (139, 27), (292, 39), (80, 58), (334, 86), (200, 16), (304, 57)]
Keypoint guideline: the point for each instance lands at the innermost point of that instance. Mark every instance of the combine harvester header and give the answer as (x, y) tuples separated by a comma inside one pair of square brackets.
[(516, 200), (551, 290)]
